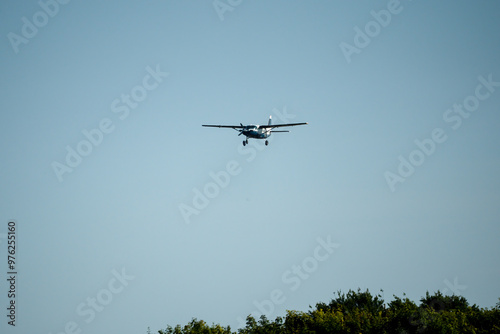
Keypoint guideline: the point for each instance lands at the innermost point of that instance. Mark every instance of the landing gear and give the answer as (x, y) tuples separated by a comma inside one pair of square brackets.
[(267, 143), (245, 142)]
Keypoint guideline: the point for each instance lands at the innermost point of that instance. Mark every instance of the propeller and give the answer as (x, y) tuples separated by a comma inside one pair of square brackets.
[(241, 131)]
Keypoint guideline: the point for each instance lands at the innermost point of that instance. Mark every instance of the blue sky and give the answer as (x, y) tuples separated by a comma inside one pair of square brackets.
[(393, 184)]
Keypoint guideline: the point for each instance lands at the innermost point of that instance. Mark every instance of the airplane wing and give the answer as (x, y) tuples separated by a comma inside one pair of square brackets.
[(225, 126), (272, 126)]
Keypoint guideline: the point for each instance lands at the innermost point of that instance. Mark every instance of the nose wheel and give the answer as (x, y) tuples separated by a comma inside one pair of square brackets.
[(267, 143)]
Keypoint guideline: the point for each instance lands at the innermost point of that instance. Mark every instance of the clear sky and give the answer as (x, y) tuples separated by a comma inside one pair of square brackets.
[(129, 214)]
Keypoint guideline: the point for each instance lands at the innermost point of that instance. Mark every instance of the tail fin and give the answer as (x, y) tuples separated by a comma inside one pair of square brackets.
[(270, 120)]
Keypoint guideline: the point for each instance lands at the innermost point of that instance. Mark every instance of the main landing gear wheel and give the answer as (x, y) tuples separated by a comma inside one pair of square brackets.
[(267, 143)]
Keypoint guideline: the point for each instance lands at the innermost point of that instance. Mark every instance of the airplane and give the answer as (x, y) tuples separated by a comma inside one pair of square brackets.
[(256, 131)]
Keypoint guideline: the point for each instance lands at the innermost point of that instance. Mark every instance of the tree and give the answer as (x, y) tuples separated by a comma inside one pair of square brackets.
[(440, 302), (362, 312), (355, 301), (196, 327)]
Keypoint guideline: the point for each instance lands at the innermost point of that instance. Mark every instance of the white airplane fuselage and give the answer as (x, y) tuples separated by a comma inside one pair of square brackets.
[(254, 131)]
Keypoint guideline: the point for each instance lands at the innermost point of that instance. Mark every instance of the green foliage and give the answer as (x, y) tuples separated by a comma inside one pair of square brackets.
[(196, 327), (440, 302), (262, 326), (355, 301), (361, 312)]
